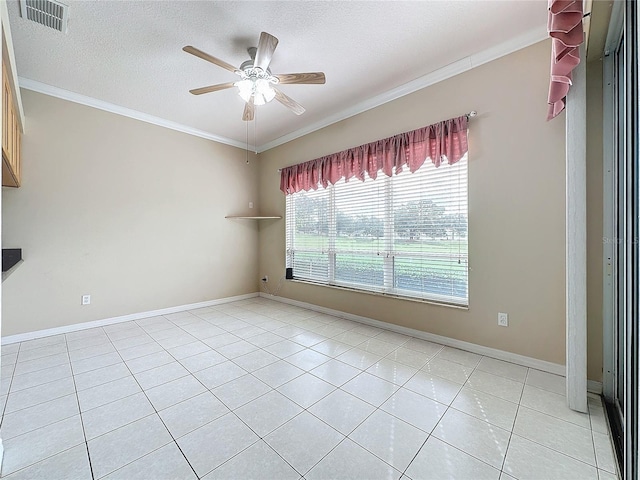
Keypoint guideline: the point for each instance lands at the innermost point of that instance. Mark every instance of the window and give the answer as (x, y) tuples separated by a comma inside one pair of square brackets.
[(404, 235)]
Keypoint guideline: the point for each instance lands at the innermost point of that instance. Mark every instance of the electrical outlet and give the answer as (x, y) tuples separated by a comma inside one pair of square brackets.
[(503, 319), (86, 299), (265, 279), (250, 204)]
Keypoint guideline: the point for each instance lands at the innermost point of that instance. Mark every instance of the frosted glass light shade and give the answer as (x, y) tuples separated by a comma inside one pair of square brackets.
[(245, 89), (258, 88)]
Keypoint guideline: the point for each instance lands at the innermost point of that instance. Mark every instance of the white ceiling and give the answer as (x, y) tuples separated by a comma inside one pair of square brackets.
[(129, 54)]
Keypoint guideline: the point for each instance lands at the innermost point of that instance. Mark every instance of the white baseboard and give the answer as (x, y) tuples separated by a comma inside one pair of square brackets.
[(594, 387), (21, 337), (525, 361), (555, 368)]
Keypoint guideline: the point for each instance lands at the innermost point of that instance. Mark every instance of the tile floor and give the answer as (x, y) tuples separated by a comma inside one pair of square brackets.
[(260, 389)]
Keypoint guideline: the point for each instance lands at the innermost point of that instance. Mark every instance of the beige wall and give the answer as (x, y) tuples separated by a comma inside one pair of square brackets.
[(133, 214), (594, 219), (128, 212), (516, 206)]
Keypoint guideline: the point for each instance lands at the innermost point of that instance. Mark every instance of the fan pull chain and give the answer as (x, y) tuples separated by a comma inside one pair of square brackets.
[(247, 142), (255, 123)]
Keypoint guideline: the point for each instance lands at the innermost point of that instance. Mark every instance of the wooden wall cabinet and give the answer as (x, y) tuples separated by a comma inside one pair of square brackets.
[(11, 134)]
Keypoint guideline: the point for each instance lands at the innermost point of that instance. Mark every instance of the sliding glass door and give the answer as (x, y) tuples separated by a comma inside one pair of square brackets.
[(621, 387), (615, 398)]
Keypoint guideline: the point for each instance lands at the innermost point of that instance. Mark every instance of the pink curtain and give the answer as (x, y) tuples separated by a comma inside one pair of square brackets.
[(443, 141), (565, 30)]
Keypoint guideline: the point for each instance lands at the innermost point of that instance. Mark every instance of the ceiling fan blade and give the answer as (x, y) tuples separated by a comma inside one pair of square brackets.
[(211, 88), (209, 58), (301, 78), (288, 102), (266, 46), (249, 108)]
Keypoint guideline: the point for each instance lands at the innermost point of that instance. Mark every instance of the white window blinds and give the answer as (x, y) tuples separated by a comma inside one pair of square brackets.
[(404, 235)]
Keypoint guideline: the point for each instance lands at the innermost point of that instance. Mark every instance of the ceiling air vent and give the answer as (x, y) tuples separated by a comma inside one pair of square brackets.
[(49, 13)]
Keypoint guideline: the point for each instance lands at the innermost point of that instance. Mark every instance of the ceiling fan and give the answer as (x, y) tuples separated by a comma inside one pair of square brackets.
[(257, 84)]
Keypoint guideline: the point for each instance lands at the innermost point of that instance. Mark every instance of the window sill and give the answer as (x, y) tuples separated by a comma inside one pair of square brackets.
[(253, 218), (380, 294)]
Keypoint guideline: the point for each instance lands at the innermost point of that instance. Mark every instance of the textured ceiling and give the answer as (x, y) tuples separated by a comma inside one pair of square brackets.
[(129, 53)]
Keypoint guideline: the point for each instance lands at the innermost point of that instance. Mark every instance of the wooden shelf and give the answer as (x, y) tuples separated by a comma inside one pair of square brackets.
[(244, 217)]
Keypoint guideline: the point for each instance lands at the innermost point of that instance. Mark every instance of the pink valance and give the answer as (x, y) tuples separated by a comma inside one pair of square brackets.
[(442, 141), (565, 30)]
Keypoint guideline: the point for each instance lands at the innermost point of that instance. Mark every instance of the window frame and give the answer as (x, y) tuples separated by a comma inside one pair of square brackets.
[(389, 253)]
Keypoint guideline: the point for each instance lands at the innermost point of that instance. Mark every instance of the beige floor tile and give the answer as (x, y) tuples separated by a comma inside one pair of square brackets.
[(551, 432), (72, 464), (527, 460), (304, 441), (415, 409), (437, 460), (389, 438), (37, 445), (211, 445), (120, 447), (259, 461), (349, 461), (165, 462), (184, 417), (493, 410), (503, 369), (473, 436), (342, 411), (496, 385), (389, 393)]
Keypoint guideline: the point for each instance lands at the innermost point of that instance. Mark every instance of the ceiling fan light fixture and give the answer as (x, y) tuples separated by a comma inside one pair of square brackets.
[(263, 87), (245, 89), (256, 83), (259, 99)]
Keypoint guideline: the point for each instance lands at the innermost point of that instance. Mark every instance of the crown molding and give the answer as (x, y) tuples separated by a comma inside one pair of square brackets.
[(522, 41), (518, 43), (39, 87)]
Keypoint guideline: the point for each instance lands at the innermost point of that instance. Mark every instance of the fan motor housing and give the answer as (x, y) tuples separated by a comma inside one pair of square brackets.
[(249, 63), (246, 64)]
